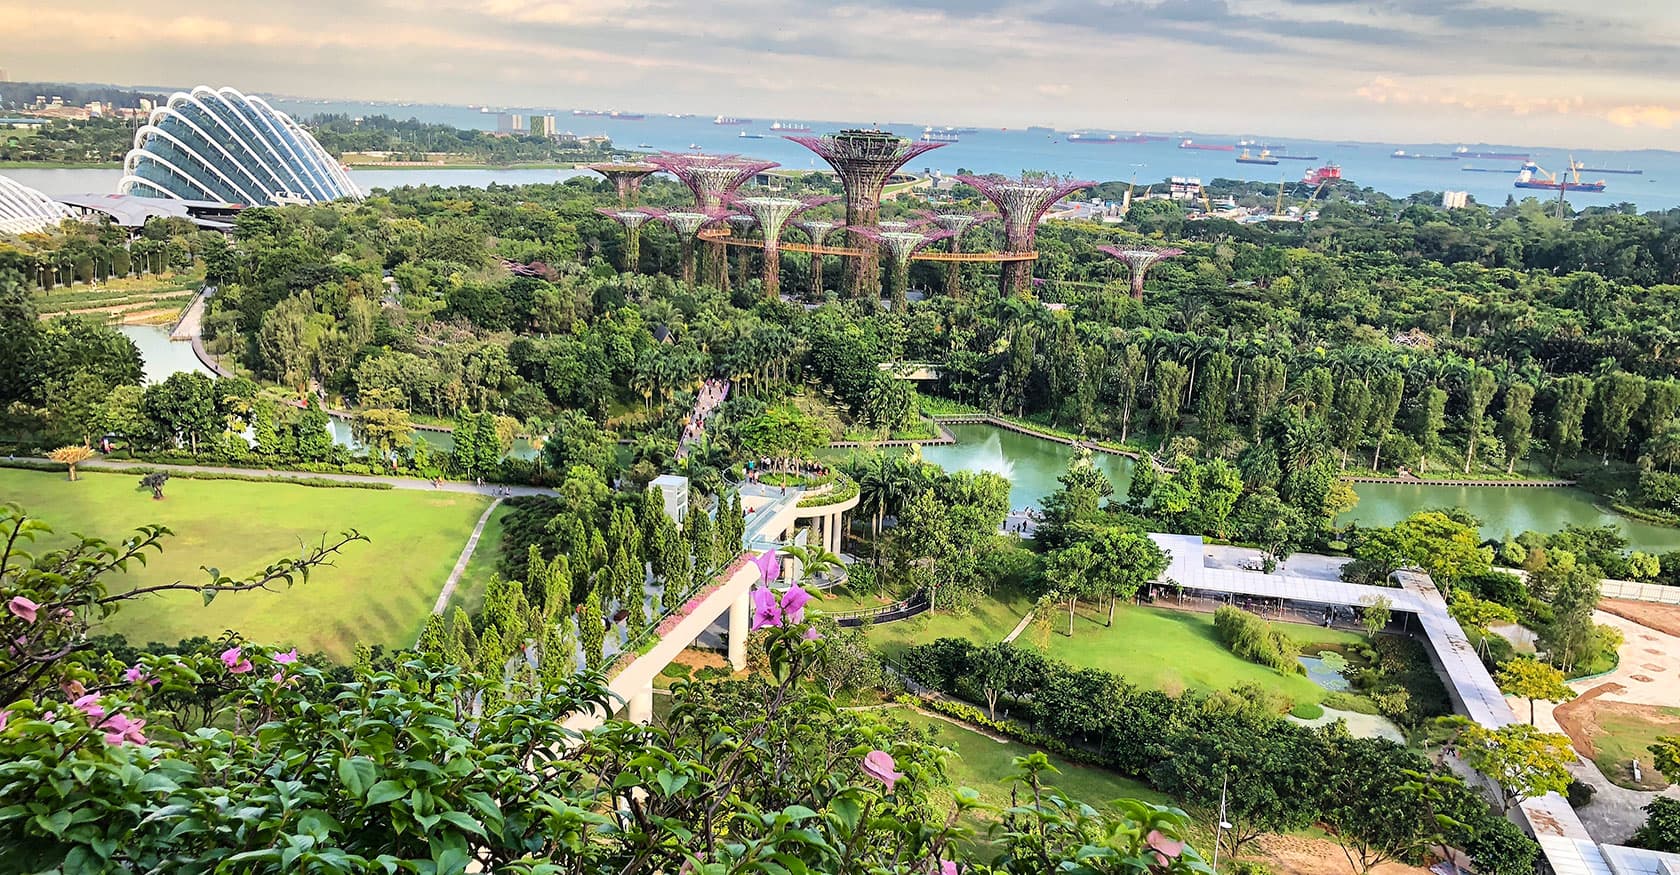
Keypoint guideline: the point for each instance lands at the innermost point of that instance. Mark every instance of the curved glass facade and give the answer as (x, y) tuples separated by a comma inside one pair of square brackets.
[(220, 145), (24, 210)]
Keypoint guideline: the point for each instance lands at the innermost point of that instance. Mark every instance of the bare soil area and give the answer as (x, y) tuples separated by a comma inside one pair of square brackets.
[(1300, 855), (1663, 618)]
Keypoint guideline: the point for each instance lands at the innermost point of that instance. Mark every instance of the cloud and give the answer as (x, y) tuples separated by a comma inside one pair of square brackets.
[(1662, 117)]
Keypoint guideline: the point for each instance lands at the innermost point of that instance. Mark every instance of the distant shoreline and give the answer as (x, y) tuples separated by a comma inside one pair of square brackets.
[(569, 165)]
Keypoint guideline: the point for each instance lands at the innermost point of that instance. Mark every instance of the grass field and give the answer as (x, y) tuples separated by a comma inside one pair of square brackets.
[(379, 592), (469, 593), (1132, 648)]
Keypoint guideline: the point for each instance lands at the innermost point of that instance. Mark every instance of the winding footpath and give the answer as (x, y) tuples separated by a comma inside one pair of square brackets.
[(466, 556)]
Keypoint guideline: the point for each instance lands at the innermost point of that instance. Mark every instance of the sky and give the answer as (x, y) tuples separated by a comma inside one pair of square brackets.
[(1565, 73)]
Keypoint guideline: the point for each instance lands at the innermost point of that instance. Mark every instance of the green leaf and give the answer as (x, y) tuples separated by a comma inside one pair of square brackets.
[(209, 595), (669, 783), (384, 792), (847, 809), (357, 774), (797, 813), (463, 822)]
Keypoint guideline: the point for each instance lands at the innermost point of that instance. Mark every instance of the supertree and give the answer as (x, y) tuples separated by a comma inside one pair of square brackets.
[(902, 245), (1021, 203), (956, 223), (864, 160), (1137, 260), (739, 226), (687, 223), (771, 214), (712, 179), (626, 177), (632, 220), (818, 230)]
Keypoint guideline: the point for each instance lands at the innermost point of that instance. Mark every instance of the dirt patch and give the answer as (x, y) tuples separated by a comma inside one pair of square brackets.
[(1653, 667), (1575, 717), (1299, 855), (1663, 618), (1591, 718), (1641, 678), (1652, 651)]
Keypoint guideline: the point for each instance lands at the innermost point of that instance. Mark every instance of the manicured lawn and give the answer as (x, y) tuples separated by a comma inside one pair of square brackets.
[(378, 593), (1177, 650), (1621, 733), (991, 620), (469, 593)]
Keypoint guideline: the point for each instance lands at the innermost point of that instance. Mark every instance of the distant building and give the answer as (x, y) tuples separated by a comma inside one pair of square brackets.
[(1455, 200), (510, 123), (547, 126), (674, 488)]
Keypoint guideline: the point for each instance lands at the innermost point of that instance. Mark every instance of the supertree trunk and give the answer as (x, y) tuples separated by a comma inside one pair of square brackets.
[(1015, 278), (717, 256), (818, 293), (863, 272), (1137, 284), (953, 273), (899, 285), (632, 250), (772, 272), (687, 259), (743, 270)]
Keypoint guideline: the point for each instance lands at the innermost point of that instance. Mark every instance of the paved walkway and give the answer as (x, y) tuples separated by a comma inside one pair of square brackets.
[(712, 393), (414, 483), (466, 556)]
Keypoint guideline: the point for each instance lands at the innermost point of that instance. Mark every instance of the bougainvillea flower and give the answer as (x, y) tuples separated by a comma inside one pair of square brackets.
[(234, 659), (23, 608), (878, 764), (135, 674), (793, 604), (89, 705), (813, 635), (766, 610), (769, 566), (287, 658)]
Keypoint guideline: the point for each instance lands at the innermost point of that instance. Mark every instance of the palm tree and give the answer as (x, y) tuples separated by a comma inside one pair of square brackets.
[(71, 456)]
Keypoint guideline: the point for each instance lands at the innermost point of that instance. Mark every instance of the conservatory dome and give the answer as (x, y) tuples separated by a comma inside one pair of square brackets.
[(24, 210), (220, 145)]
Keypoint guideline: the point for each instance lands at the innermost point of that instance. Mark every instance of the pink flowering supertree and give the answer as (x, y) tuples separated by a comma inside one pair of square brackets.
[(687, 223), (901, 245), (1138, 259), (1022, 203), (712, 179), (771, 215), (626, 177), (864, 160), (632, 220), (957, 224)]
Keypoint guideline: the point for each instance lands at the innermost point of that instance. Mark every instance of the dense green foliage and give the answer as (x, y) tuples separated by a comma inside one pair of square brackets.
[(414, 140)]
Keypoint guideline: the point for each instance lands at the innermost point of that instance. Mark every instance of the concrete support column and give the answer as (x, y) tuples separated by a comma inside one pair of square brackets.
[(790, 570), (836, 530), (640, 707), (740, 617)]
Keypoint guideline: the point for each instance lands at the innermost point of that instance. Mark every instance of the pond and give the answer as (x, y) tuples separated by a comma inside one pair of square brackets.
[(1032, 465)]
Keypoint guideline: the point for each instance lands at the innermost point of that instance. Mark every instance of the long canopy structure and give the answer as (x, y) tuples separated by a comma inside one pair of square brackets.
[(956, 223), (627, 177), (864, 160), (771, 214), (24, 210), (1022, 203), (1138, 259), (902, 245), (632, 220)]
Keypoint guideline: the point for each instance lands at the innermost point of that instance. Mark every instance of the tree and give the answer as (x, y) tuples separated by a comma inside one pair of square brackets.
[(1523, 761), (1431, 418), (1516, 424), (1374, 614), (1569, 409), (182, 409), (1170, 380), (1123, 561), (382, 425), (1068, 571), (1349, 414), (1389, 387), (1661, 830), (1617, 396), (1665, 754), (592, 627), (1531, 679), (71, 456), (1125, 379), (1479, 387), (1362, 801)]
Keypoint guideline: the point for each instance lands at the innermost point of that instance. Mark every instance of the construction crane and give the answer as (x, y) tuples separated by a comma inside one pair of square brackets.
[(1278, 210)]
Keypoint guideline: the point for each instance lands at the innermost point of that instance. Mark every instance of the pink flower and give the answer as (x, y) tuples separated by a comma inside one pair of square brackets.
[(279, 677), (878, 764), (766, 610), (287, 658), (135, 674), (793, 604), (1165, 850), (813, 635), (120, 729), (233, 659), (5, 717), (947, 867), (89, 705), (23, 608), (73, 689)]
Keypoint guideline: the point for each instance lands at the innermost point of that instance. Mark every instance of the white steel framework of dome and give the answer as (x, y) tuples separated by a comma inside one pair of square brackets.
[(221, 145), (23, 210)]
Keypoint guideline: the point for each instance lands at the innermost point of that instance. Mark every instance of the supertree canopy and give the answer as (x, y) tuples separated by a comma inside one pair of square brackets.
[(1138, 259), (632, 220), (771, 214), (902, 245), (712, 178), (818, 230), (687, 223), (956, 223), (1022, 203), (864, 160), (895, 225), (626, 177)]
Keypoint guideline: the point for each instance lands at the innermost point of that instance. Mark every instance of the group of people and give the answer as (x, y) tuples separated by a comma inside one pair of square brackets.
[(712, 393)]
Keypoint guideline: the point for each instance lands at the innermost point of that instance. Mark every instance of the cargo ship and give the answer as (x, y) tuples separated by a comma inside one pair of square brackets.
[(1533, 177), (930, 135), (750, 136), (1265, 157), (1583, 168), (1296, 157), (1321, 175), (1464, 152), (790, 128), (1206, 147), (588, 113), (1415, 156), (730, 120), (1110, 139), (626, 116)]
